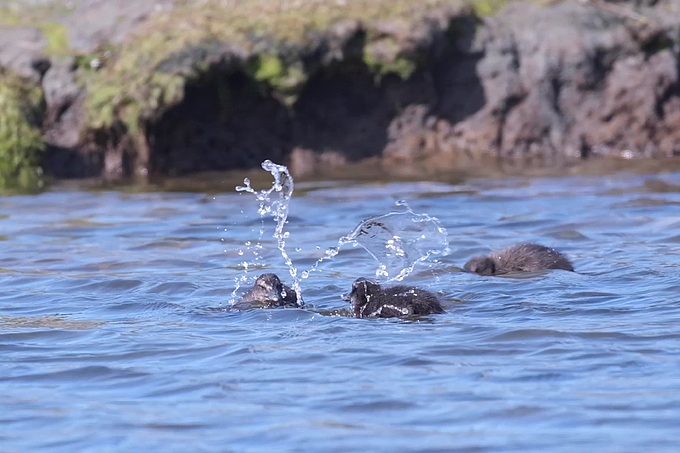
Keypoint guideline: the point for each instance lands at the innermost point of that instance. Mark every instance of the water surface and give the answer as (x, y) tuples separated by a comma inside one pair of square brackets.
[(116, 335)]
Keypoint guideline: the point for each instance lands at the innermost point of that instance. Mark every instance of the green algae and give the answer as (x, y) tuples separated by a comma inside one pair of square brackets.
[(57, 38), (385, 56), (20, 140), (149, 71), (485, 8), (285, 80)]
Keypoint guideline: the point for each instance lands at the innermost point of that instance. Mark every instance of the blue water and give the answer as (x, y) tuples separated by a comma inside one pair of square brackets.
[(115, 332)]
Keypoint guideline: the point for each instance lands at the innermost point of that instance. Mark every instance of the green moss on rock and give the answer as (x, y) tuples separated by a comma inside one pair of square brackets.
[(266, 68), (385, 57), (256, 30), (270, 41), (20, 141), (57, 38), (285, 79), (485, 8)]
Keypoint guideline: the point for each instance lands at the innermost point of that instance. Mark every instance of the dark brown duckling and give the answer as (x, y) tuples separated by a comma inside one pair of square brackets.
[(524, 257), (370, 300), (269, 292)]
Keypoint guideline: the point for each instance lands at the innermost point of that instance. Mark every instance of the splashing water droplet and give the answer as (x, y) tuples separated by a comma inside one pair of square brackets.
[(245, 187), (274, 202), (398, 241)]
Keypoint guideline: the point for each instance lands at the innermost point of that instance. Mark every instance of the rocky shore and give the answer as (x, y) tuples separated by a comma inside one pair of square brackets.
[(121, 89)]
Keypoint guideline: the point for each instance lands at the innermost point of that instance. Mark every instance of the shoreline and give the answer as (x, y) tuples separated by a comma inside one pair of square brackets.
[(450, 86)]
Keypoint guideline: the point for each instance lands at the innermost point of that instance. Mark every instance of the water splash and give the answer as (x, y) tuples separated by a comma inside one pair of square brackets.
[(398, 241), (274, 202), (330, 253)]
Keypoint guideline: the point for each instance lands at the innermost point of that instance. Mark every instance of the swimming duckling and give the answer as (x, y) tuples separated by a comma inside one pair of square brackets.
[(370, 300), (269, 292), (524, 257)]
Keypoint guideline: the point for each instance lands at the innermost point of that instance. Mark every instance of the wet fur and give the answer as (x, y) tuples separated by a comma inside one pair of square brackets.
[(269, 292), (519, 258), (370, 300)]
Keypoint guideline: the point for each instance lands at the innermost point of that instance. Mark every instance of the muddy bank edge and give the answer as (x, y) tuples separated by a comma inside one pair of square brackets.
[(175, 87)]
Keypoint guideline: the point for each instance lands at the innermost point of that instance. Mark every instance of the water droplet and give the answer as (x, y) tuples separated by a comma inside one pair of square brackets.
[(399, 240), (274, 202), (240, 252), (248, 243), (298, 249)]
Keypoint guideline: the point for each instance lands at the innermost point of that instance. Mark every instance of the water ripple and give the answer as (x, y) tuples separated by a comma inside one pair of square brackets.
[(117, 332)]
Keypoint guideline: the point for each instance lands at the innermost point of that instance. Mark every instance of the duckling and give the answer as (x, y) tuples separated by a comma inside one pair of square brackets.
[(370, 300), (523, 257), (269, 292)]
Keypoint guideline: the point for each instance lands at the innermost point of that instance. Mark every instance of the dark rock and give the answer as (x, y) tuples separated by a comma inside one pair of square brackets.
[(22, 51), (568, 77), (533, 86), (91, 23), (207, 132), (64, 115)]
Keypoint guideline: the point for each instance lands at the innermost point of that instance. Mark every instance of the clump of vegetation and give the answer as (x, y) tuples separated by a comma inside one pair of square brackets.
[(487, 7), (147, 74), (284, 79), (20, 140), (385, 56), (57, 38)]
